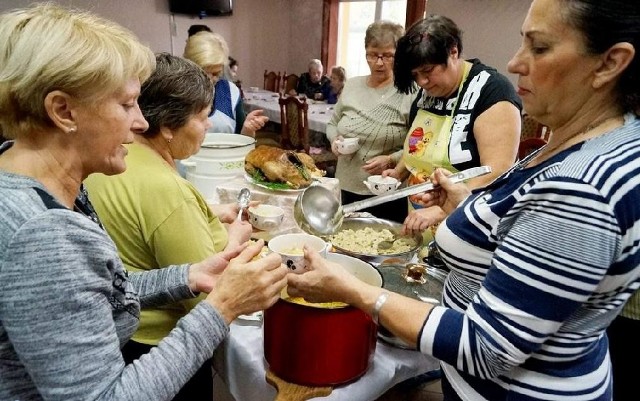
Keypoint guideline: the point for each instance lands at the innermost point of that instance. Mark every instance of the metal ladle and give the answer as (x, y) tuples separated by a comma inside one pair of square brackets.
[(244, 198), (317, 210)]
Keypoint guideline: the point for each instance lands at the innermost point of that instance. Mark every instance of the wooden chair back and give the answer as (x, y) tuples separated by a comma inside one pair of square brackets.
[(533, 129), (294, 123), (289, 82), (529, 145), (271, 81)]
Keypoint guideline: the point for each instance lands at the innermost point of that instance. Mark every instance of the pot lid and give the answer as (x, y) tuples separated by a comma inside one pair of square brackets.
[(414, 280)]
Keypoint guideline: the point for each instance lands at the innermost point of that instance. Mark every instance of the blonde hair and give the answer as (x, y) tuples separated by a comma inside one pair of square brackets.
[(47, 47), (207, 49)]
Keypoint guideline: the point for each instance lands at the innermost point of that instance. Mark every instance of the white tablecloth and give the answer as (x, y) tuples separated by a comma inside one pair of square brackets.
[(319, 112), (240, 363), (227, 192)]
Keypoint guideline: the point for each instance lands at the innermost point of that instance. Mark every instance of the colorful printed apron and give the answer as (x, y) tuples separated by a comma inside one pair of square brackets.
[(427, 146)]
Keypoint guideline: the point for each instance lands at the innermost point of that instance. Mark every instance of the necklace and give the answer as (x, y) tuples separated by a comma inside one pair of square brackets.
[(546, 151)]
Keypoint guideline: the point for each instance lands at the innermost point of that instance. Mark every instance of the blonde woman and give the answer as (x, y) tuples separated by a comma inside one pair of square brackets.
[(210, 51), (69, 84)]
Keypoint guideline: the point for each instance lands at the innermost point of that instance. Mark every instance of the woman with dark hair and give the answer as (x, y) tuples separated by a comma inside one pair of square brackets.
[(466, 114), (544, 257), (157, 218)]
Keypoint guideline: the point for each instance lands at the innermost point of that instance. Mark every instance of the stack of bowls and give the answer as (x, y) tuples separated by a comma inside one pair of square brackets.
[(220, 159)]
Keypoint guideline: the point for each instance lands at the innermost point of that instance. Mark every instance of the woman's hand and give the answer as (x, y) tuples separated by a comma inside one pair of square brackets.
[(334, 145), (226, 212), (239, 232), (248, 285), (324, 282), (378, 164), (203, 275), (448, 195), (254, 121), (420, 220)]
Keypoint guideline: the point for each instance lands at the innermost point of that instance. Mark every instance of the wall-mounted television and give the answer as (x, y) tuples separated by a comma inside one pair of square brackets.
[(201, 8)]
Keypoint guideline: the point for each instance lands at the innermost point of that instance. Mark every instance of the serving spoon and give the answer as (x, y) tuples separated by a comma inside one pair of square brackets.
[(319, 212), (244, 197)]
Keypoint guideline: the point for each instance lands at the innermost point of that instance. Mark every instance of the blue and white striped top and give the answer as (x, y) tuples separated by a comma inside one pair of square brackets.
[(541, 262)]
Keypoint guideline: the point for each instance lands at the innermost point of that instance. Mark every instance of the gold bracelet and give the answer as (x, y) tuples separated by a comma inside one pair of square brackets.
[(375, 314)]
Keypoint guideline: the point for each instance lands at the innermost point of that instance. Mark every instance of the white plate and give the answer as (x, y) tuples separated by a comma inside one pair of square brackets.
[(261, 185)]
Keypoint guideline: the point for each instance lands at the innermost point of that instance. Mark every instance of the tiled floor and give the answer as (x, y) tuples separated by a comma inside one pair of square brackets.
[(430, 391)]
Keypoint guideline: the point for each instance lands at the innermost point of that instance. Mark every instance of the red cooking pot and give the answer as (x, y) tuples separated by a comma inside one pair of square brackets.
[(315, 346)]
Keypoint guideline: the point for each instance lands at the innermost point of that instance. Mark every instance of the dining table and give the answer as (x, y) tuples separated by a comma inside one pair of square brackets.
[(319, 112), (240, 368)]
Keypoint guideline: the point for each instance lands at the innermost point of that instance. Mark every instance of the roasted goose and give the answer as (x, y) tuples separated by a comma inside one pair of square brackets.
[(283, 166)]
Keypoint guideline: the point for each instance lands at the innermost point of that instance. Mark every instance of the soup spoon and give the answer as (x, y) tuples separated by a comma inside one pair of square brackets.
[(244, 197)]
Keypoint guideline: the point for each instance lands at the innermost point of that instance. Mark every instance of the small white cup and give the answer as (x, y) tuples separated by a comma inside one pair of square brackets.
[(347, 146), (379, 185), (265, 217), (291, 249)]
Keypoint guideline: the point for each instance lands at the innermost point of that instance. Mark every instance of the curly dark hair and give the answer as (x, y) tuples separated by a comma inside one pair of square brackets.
[(428, 41), (176, 90)]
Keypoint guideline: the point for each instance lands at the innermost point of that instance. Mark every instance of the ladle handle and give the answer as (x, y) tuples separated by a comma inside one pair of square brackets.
[(415, 189)]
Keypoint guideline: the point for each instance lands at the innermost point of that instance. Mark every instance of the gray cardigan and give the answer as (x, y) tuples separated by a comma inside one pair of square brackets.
[(67, 306)]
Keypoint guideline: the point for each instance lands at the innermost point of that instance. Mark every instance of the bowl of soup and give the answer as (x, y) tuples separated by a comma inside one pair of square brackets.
[(291, 249)]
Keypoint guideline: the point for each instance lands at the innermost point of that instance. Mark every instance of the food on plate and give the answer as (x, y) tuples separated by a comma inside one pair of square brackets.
[(289, 169), (365, 241)]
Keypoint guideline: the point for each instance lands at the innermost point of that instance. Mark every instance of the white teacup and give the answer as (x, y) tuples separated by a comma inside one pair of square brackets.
[(379, 185), (291, 249), (347, 146), (265, 217)]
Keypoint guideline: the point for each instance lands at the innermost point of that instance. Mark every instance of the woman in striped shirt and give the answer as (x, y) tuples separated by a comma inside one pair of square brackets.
[(543, 258)]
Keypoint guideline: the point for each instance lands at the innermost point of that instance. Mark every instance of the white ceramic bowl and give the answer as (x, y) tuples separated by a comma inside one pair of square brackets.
[(379, 185), (359, 268), (265, 217), (290, 247), (348, 146)]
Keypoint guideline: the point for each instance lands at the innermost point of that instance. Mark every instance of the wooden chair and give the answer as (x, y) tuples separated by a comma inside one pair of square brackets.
[(289, 82), (271, 81), (295, 131), (533, 129), (529, 145)]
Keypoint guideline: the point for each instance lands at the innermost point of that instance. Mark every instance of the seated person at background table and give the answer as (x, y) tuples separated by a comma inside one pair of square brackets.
[(371, 109), (157, 218), (69, 83), (466, 114), (543, 258), (313, 83), (233, 71), (332, 93), (210, 51), (193, 29)]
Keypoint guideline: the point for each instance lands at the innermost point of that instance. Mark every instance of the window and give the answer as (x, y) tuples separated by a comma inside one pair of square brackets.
[(354, 16)]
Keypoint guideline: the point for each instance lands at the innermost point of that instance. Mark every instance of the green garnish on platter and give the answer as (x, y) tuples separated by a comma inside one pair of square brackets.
[(259, 178)]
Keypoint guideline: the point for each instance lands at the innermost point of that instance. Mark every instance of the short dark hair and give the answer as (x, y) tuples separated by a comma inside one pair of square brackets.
[(176, 90), (193, 29), (428, 41), (232, 62), (603, 24)]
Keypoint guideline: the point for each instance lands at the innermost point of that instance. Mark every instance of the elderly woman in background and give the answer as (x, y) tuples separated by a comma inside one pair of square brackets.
[(371, 109), (544, 257), (210, 51), (157, 218), (466, 114), (312, 83), (69, 83)]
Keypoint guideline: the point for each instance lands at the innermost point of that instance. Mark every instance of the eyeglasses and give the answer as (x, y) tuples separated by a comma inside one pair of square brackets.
[(416, 38), (386, 58)]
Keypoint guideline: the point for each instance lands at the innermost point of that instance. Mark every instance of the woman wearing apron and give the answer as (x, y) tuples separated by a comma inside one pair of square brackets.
[(466, 114)]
